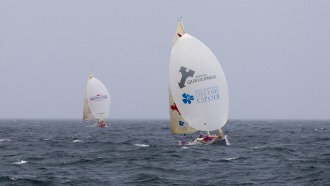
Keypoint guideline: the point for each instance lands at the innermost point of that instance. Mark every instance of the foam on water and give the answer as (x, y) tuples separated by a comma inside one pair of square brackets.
[(228, 159), (259, 147), (227, 141), (141, 145), (5, 140), (19, 162)]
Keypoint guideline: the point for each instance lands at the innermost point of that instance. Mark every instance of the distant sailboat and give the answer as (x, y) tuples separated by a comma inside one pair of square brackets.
[(96, 102), (198, 89)]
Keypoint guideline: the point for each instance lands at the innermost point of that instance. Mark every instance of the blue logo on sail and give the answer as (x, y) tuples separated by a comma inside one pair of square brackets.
[(187, 98), (207, 94), (181, 123)]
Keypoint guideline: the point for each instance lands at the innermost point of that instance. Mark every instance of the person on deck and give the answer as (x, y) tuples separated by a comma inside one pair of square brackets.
[(199, 139), (208, 138), (101, 123)]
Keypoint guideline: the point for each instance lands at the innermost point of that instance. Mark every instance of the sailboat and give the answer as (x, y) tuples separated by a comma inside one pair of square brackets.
[(198, 91), (96, 101)]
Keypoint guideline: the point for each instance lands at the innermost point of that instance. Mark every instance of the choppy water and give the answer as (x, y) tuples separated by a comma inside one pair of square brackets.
[(143, 152)]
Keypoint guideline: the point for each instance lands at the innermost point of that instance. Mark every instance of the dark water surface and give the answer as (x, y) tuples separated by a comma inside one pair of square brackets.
[(143, 152)]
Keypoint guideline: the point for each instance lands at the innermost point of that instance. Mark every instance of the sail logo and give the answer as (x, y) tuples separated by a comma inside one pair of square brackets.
[(182, 126), (201, 78), (207, 94), (185, 74), (98, 97), (187, 98), (174, 107)]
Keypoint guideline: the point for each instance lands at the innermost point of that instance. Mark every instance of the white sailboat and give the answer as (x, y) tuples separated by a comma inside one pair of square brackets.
[(96, 102), (198, 86)]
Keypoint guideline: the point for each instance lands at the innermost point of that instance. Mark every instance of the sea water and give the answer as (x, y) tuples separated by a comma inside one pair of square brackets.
[(143, 152)]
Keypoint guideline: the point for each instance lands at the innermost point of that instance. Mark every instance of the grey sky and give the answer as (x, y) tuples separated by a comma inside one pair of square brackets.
[(275, 54)]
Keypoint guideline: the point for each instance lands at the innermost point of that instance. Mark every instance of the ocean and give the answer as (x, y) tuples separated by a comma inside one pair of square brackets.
[(143, 152)]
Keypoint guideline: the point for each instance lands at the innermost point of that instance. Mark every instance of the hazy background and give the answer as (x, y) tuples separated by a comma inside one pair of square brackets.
[(275, 54)]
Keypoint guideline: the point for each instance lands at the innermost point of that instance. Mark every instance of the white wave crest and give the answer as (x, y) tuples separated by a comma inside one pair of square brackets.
[(228, 159), (78, 141), (227, 142), (19, 162), (5, 140), (141, 145), (258, 147)]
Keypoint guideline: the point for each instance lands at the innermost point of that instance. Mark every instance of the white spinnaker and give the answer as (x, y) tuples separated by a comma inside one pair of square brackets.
[(194, 70), (98, 98)]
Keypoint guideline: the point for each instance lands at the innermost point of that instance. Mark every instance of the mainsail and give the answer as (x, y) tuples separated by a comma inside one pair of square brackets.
[(87, 115), (178, 124), (179, 32), (198, 84)]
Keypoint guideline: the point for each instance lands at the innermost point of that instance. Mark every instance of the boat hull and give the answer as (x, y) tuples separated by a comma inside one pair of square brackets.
[(222, 142)]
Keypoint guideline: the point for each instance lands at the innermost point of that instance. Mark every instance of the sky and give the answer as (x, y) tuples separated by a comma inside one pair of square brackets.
[(275, 55)]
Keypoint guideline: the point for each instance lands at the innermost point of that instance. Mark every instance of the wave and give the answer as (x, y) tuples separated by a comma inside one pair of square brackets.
[(322, 128), (227, 141), (5, 140), (259, 147), (141, 145), (77, 141), (229, 159), (23, 180), (19, 162), (6, 178)]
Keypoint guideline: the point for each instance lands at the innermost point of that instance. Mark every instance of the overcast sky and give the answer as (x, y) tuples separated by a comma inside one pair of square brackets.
[(275, 54)]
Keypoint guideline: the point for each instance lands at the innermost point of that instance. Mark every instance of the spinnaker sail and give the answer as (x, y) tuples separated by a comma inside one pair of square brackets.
[(198, 84), (97, 100)]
